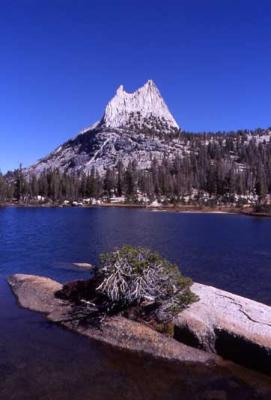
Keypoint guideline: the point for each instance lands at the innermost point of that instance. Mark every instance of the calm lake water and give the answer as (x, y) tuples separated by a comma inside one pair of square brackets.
[(39, 360)]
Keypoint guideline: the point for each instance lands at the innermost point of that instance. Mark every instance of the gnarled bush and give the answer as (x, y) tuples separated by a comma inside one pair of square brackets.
[(133, 281), (137, 276)]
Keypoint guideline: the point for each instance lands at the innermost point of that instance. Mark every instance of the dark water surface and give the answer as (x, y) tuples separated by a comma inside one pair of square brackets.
[(39, 360)]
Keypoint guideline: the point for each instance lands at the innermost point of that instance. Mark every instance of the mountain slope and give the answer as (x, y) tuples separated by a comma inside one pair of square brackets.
[(138, 127), (135, 126)]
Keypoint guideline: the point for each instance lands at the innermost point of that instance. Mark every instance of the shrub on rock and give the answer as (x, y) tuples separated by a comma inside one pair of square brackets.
[(134, 281), (132, 276)]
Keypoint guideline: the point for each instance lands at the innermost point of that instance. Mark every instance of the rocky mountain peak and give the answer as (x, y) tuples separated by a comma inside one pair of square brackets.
[(143, 108), (136, 126)]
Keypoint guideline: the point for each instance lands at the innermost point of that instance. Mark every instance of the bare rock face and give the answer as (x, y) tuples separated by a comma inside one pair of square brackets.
[(145, 104), (135, 127), (234, 327)]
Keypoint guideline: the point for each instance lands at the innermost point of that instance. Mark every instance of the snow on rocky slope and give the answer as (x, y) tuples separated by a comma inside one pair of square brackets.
[(135, 126)]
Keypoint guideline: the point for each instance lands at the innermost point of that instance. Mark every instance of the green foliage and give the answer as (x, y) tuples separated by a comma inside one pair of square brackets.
[(136, 276), (166, 328), (262, 208), (218, 164)]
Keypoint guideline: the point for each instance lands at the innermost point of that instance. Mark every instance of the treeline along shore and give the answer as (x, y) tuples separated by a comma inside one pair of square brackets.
[(229, 172)]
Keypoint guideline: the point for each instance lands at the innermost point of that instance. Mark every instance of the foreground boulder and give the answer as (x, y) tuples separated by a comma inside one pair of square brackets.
[(38, 293), (197, 368), (232, 326)]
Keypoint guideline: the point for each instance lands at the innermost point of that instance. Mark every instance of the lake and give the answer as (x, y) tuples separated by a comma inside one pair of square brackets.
[(39, 360)]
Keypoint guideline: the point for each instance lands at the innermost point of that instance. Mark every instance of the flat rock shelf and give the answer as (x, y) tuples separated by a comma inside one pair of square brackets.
[(38, 293)]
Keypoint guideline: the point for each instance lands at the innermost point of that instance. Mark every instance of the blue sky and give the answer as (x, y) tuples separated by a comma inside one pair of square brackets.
[(62, 60)]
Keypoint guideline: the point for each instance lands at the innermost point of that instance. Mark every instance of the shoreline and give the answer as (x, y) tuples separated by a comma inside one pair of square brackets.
[(186, 209)]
